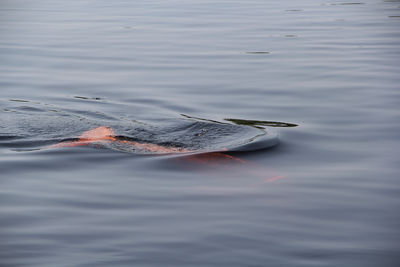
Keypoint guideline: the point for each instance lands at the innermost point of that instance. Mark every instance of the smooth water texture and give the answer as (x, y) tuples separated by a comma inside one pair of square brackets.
[(326, 195)]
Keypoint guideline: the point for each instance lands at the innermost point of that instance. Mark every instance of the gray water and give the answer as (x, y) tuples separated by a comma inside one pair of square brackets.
[(326, 195)]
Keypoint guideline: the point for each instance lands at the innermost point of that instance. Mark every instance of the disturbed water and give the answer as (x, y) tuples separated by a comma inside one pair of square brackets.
[(195, 75)]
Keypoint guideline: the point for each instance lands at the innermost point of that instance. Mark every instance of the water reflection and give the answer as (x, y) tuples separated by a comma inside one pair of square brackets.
[(327, 195)]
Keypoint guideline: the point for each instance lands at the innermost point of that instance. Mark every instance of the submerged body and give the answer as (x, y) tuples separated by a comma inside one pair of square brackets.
[(106, 134), (188, 139)]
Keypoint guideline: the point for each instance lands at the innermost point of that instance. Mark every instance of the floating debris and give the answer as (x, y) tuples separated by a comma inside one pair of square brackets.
[(256, 123)]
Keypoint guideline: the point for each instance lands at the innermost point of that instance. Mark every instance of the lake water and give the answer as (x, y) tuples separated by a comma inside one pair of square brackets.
[(326, 195)]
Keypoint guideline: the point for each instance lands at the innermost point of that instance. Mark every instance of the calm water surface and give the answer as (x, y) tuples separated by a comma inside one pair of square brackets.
[(327, 195)]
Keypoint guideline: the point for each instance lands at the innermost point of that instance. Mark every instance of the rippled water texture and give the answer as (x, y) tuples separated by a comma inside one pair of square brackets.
[(194, 77)]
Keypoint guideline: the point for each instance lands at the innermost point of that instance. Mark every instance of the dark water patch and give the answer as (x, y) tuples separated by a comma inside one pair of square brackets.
[(353, 3), (394, 16), (28, 109), (9, 137), (294, 10), (20, 100), (345, 4), (88, 98), (258, 52)]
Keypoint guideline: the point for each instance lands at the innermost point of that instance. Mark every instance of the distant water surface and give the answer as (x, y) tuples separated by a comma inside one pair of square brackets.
[(326, 195)]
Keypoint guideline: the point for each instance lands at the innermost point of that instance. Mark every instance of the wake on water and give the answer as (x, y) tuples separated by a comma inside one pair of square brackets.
[(30, 127)]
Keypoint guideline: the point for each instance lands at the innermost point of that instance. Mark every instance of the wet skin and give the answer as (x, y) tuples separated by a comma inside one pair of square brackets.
[(106, 134)]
